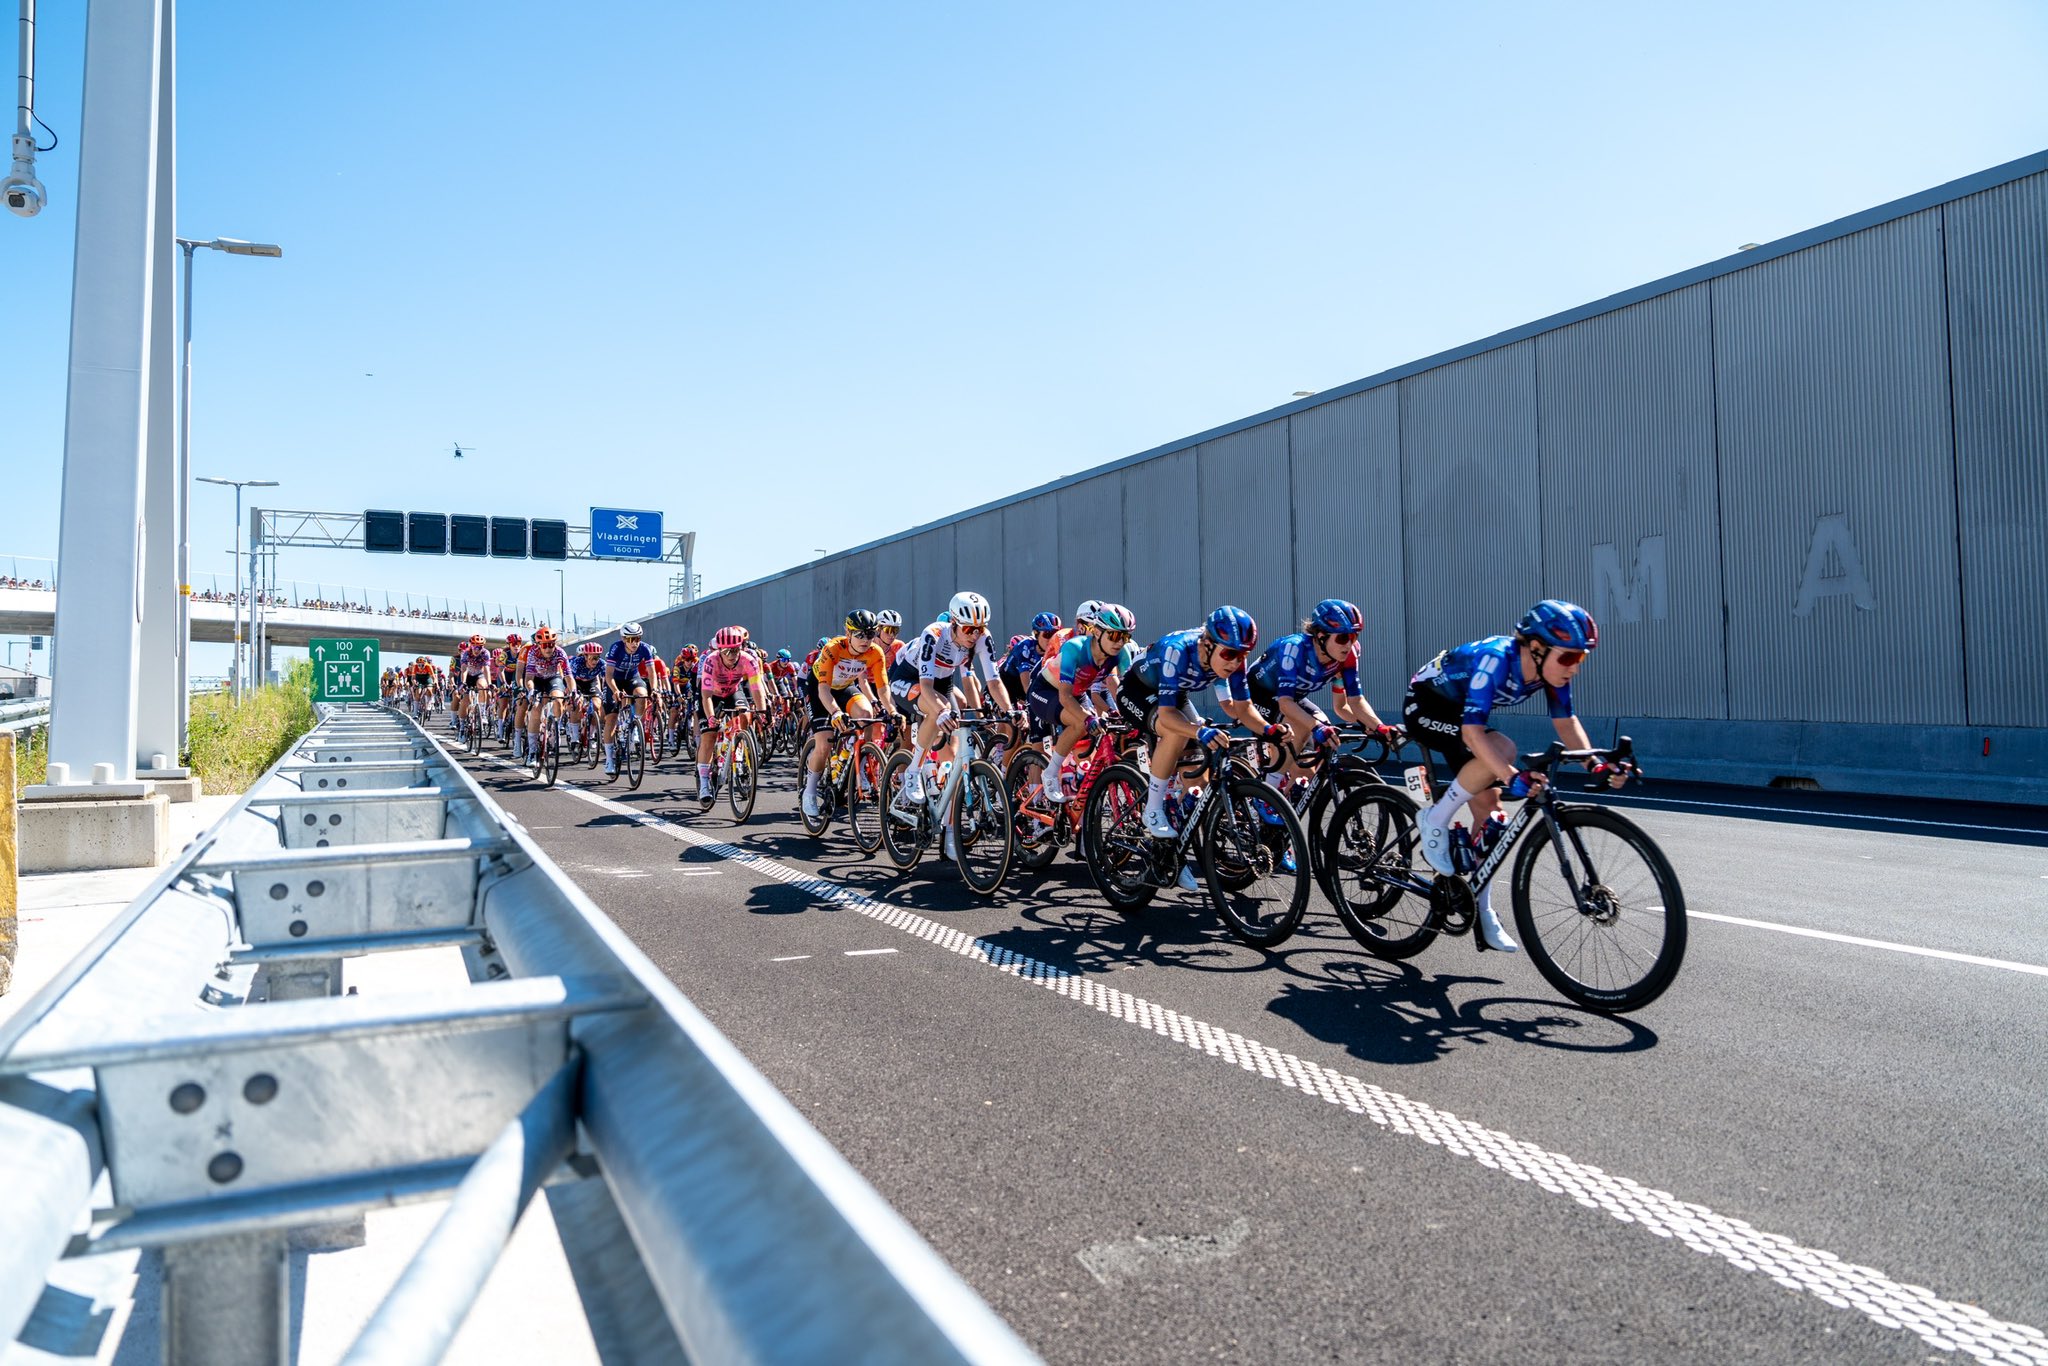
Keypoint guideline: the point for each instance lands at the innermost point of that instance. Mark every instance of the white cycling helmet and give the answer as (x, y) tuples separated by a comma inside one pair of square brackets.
[(1084, 615), (889, 616), (968, 609), (632, 629)]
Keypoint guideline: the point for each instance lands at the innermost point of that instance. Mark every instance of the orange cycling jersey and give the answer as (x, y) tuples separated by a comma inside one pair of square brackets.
[(840, 666)]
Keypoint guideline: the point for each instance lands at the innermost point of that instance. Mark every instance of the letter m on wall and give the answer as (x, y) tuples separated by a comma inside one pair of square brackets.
[(1624, 593)]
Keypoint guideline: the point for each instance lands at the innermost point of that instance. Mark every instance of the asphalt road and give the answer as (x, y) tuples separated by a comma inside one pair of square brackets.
[(1144, 1142)]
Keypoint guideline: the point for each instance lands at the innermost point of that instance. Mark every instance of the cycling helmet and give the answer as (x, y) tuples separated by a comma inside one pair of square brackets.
[(591, 647), (688, 654), (1233, 628), (968, 609), (543, 636), (1335, 616), (1565, 625), (729, 638), (861, 622), (823, 641), (1111, 617), (477, 639), (782, 655), (1084, 615), (889, 616), (631, 630), (1046, 621), (514, 639)]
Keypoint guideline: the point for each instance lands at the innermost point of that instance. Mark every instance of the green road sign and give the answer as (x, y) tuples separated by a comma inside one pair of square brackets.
[(344, 670)]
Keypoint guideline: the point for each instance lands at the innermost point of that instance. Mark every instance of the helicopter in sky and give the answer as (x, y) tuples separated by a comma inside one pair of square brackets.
[(462, 450)]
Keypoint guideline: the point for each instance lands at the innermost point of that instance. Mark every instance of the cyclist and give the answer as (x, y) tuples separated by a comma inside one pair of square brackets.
[(475, 665), (848, 680), (1027, 652), (511, 695), (1451, 699), (627, 665), (684, 674), (892, 631), (547, 666), (422, 678), (1060, 687), (586, 678), (1156, 697), (728, 668), (1323, 651), (951, 649)]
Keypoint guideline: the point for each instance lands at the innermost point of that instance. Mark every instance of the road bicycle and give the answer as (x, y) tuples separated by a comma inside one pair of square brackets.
[(1245, 839), (852, 783), (629, 743), (589, 739), (1332, 772), (546, 743), (970, 805), (1602, 916), (1045, 827), (736, 760)]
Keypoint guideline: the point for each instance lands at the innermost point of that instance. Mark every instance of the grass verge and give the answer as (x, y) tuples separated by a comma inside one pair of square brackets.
[(232, 743)]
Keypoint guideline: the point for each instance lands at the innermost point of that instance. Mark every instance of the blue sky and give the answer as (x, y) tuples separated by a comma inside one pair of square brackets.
[(802, 275)]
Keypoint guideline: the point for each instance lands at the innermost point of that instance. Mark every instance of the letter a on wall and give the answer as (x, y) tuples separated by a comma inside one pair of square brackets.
[(1833, 568)]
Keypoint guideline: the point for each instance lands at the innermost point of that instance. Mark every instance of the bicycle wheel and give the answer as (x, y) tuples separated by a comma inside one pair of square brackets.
[(901, 840), (1119, 852), (1602, 916), (1036, 821), (864, 796), (746, 771), (551, 737), (1257, 868), (1374, 866), (476, 729), (981, 828)]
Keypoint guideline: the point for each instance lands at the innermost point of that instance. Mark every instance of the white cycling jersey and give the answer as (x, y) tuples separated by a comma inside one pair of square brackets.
[(939, 656)]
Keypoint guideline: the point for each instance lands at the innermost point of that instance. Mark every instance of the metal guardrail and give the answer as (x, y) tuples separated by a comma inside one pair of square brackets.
[(196, 1081), (26, 714)]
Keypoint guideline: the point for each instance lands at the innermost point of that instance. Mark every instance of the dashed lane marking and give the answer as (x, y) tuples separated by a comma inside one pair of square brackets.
[(2007, 964), (792, 958), (1943, 1324), (703, 872), (862, 953)]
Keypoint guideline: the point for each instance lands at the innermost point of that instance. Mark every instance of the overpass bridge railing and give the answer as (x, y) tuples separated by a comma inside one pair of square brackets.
[(196, 1081)]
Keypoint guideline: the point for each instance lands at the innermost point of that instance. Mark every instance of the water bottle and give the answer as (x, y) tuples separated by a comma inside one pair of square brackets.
[(1496, 826), (837, 767), (1463, 857)]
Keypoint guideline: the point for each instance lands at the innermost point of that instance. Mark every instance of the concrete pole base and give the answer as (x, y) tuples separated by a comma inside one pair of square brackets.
[(66, 831)]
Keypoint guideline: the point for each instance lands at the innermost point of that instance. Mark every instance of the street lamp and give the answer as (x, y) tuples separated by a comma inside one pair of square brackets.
[(238, 485), (233, 246), (561, 602)]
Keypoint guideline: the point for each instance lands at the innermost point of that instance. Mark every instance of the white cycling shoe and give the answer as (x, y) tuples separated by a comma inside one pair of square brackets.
[(952, 846), (1158, 826), (1186, 881), (1436, 845), (810, 803), (1494, 935)]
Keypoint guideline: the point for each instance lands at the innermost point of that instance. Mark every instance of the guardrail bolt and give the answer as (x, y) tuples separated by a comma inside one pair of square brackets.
[(224, 1168), (334, 819), (187, 1097), (316, 888), (297, 929), (278, 891), (312, 819), (260, 1089)]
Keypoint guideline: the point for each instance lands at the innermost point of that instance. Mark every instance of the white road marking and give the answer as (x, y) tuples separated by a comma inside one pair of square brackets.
[(1633, 800), (1947, 1325), (862, 953), (703, 872), (2008, 965), (793, 958)]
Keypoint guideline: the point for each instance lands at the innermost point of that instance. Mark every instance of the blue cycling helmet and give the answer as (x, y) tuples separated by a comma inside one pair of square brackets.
[(1337, 617), (782, 655), (1046, 621), (1232, 627), (1565, 625), (823, 641), (945, 618)]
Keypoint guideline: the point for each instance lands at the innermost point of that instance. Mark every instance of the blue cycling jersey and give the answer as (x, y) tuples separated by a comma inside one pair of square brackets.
[(1077, 668), (586, 668), (626, 664), (1024, 656), (1290, 668), (1174, 667), (1487, 674)]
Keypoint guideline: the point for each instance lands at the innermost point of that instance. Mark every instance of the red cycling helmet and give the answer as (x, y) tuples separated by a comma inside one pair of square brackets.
[(591, 647), (729, 638)]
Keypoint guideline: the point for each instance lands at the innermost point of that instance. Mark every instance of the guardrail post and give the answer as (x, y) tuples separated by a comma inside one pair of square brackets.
[(10, 863), (227, 1301)]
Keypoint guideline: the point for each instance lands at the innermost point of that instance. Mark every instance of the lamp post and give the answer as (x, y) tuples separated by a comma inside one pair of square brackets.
[(238, 485), (561, 602), (233, 246)]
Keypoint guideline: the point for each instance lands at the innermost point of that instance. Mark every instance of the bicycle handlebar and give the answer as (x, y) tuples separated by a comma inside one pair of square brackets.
[(1623, 752)]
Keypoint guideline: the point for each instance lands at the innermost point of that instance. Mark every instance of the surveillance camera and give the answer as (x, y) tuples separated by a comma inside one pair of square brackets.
[(24, 195)]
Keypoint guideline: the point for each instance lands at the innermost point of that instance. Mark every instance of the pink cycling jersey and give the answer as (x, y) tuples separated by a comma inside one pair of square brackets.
[(721, 679), (475, 659), (550, 663)]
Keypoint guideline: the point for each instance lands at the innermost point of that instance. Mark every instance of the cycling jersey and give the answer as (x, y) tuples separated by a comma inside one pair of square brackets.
[(626, 665), (1076, 665), (722, 680), (1486, 674), (586, 669), (840, 666), (893, 648), (1172, 669), (941, 656), (1024, 656), (1290, 667), (475, 659), (552, 662)]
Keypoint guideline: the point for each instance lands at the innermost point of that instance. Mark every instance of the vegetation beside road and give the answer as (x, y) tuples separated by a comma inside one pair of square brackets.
[(232, 743), (31, 757)]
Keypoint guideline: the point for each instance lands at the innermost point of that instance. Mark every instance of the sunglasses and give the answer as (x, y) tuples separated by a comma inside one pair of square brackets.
[(1345, 641), (1115, 637), (1567, 658), (1228, 654), (972, 630), (1045, 635), (861, 635)]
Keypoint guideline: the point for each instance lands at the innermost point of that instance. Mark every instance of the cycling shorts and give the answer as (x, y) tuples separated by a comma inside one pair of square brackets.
[(1437, 723), (1269, 704), (821, 719), (1139, 703), (547, 686)]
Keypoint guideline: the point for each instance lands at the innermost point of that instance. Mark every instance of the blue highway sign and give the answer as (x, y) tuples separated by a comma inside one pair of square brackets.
[(623, 534)]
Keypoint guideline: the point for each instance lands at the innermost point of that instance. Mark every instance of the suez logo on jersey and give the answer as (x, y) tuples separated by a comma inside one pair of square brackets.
[(1629, 591)]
